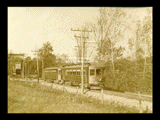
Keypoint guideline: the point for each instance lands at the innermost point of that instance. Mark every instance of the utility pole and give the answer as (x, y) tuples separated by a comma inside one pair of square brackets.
[(42, 51), (82, 60), (36, 53), (82, 88), (23, 67), (28, 69), (42, 63), (84, 48), (25, 64)]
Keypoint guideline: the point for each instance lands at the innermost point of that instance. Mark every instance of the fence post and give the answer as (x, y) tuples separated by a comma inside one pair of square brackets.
[(140, 102), (77, 91), (102, 101), (63, 88)]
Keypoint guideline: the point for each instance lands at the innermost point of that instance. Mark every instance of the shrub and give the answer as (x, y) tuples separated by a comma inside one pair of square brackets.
[(130, 76)]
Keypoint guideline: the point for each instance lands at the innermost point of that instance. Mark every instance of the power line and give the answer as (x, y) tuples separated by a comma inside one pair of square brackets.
[(82, 49)]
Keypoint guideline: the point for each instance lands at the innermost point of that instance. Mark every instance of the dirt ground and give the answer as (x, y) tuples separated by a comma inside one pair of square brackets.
[(143, 105), (132, 103)]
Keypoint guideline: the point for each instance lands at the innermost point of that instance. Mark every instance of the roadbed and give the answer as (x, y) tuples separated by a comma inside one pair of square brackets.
[(122, 100)]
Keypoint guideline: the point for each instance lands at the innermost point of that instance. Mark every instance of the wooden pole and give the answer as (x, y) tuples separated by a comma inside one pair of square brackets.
[(37, 63), (82, 55), (42, 66), (82, 87), (37, 68), (140, 102), (23, 68), (102, 96)]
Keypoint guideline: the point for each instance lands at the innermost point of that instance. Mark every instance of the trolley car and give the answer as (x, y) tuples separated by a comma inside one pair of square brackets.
[(93, 74)]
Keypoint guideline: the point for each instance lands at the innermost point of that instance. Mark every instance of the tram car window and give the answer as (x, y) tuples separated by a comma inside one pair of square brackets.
[(70, 72), (98, 72), (78, 72), (67, 72), (92, 72), (74, 72), (84, 72), (53, 72)]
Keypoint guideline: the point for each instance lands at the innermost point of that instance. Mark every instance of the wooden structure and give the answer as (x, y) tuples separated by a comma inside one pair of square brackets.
[(16, 66)]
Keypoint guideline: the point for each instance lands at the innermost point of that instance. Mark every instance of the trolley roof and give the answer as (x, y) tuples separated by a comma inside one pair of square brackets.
[(56, 67), (77, 65), (85, 65)]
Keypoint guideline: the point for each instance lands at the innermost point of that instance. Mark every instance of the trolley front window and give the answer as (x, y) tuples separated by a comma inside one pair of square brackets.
[(98, 72), (92, 72)]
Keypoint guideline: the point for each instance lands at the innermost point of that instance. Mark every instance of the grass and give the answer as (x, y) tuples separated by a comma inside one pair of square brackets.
[(25, 97)]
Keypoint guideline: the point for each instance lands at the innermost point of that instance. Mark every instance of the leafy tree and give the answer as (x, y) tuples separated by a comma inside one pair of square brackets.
[(46, 50), (147, 37), (143, 41), (33, 66), (108, 30), (62, 59), (28, 61), (46, 53)]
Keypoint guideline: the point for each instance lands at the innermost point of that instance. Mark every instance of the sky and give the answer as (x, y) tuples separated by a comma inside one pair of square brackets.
[(30, 27)]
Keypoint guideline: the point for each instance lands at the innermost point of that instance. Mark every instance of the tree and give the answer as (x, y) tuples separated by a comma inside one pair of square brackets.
[(28, 61), (147, 37), (33, 66), (147, 31), (143, 41), (45, 52), (107, 31), (62, 59)]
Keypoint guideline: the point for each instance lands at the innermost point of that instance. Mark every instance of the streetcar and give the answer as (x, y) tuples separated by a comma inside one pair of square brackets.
[(93, 75)]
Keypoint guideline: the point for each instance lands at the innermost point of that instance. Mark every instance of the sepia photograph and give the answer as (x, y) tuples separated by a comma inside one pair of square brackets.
[(80, 60)]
